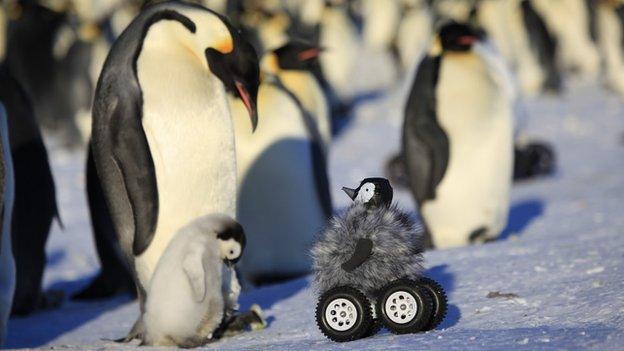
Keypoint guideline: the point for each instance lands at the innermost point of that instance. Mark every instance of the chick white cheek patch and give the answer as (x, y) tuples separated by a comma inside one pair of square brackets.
[(366, 192)]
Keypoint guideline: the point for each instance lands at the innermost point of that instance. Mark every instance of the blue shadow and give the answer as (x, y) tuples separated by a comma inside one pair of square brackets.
[(521, 215), (441, 275)]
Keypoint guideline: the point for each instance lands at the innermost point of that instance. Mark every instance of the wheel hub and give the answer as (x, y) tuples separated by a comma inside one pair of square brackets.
[(341, 314), (401, 307)]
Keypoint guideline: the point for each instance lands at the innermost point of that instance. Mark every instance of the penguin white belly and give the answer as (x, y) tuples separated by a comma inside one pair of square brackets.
[(278, 202), (504, 23), (339, 38), (477, 118), (7, 262), (381, 18), (610, 31), (413, 35), (569, 21), (190, 134), (311, 96)]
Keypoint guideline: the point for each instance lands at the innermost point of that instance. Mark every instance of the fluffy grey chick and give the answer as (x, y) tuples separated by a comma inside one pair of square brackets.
[(193, 288), (370, 245)]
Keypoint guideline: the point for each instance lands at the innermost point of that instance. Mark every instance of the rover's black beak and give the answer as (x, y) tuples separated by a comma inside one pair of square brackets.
[(350, 192)]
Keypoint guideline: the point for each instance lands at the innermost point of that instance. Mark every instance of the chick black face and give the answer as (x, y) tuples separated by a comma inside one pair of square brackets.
[(232, 242), (238, 70), (458, 37), (372, 192), (298, 55)]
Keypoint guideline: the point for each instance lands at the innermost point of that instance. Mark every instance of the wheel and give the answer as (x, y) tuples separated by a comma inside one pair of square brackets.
[(438, 298), (404, 307), (344, 314)]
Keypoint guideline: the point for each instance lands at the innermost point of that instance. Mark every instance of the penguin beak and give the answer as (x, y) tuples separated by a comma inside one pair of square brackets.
[(466, 40), (350, 192), (250, 103), (309, 54)]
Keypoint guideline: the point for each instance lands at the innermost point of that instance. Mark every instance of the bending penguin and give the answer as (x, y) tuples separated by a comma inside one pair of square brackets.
[(163, 141), (194, 271), (458, 140), (7, 263), (284, 197)]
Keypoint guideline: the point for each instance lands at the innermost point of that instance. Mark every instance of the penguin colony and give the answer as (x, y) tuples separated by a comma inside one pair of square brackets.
[(166, 96)]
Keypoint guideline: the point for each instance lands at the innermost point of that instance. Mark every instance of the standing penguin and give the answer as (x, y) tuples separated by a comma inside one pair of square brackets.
[(295, 64), (570, 22), (35, 198), (414, 32), (7, 264), (163, 141), (283, 195), (458, 140)]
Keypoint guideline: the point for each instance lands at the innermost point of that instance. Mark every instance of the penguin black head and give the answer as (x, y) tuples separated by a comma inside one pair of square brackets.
[(298, 55), (232, 242), (238, 69), (458, 37), (372, 192)]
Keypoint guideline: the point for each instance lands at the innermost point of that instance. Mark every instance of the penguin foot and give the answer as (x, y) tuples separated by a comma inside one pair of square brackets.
[(535, 159), (105, 286), (137, 332), (251, 320), (395, 171), (51, 299)]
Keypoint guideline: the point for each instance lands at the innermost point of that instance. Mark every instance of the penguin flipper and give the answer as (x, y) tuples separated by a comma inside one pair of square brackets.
[(132, 155), (363, 250), (193, 267), (425, 144)]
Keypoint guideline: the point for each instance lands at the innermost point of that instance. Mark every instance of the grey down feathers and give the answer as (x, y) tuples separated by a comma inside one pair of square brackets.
[(396, 253)]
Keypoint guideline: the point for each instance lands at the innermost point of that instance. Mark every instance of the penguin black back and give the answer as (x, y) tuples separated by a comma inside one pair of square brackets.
[(35, 196), (425, 145)]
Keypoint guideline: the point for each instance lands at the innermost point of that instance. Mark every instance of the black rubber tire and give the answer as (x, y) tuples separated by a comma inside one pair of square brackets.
[(423, 303), (439, 300), (363, 323)]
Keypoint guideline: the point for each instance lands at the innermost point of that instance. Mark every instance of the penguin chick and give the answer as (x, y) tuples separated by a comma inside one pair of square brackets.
[(372, 243), (190, 291)]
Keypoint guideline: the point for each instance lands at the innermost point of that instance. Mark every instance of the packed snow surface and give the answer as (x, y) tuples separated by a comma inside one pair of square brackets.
[(554, 279)]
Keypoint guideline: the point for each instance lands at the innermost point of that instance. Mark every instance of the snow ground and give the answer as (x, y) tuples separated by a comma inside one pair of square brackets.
[(562, 253)]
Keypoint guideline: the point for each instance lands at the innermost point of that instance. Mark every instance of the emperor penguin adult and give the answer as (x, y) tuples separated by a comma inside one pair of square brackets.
[(458, 140), (163, 135), (570, 22), (295, 64), (34, 207), (283, 196), (7, 263)]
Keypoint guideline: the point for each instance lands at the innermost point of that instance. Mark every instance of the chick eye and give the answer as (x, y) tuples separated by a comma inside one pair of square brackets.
[(231, 252)]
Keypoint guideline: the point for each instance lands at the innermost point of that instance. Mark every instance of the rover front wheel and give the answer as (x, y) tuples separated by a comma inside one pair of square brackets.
[(344, 314), (404, 307)]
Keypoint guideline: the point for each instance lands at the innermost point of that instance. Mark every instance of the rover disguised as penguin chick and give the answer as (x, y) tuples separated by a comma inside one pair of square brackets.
[(368, 270)]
